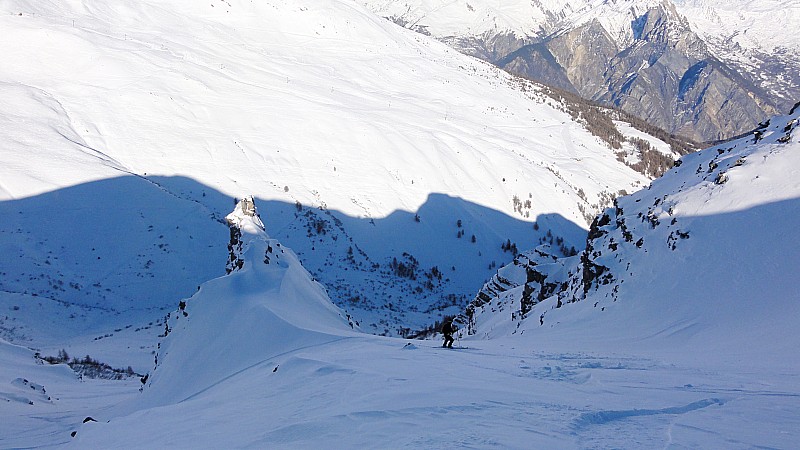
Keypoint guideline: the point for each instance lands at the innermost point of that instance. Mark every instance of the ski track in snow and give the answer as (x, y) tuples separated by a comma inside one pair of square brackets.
[(359, 392), (604, 417), (260, 363)]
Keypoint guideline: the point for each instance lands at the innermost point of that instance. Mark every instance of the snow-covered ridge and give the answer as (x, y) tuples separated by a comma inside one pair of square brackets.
[(524, 20), (263, 307)]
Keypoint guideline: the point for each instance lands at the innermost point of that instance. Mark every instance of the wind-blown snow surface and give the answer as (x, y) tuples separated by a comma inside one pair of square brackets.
[(146, 119)]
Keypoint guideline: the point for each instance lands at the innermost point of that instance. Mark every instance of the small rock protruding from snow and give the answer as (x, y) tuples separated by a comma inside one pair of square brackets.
[(245, 217), (245, 224)]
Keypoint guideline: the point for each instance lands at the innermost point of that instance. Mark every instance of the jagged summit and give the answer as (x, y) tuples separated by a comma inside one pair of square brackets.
[(245, 225)]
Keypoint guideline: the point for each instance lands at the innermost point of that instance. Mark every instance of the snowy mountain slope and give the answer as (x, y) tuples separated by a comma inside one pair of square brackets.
[(704, 259), (262, 359), (635, 55), (165, 89), (34, 119), (42, 404), (87, 246), (334, 82), (295, 382), (135, 126)]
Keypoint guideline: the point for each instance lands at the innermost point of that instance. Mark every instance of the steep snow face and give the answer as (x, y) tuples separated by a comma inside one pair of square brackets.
[(264, 307), (129, 128), (706, 258), (34, 124)]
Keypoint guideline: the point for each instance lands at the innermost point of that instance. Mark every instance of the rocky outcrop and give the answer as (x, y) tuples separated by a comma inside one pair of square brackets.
[(532, 277), (243, 218)]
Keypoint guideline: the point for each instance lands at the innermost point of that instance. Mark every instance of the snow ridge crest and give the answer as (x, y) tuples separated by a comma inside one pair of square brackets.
[(266, 305)]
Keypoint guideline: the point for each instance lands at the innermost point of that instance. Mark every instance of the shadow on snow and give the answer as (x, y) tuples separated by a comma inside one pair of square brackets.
[(132, 247)]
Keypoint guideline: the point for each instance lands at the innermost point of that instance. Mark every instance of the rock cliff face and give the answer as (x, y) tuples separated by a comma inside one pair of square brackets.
[(644, 58), (666, 76)]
